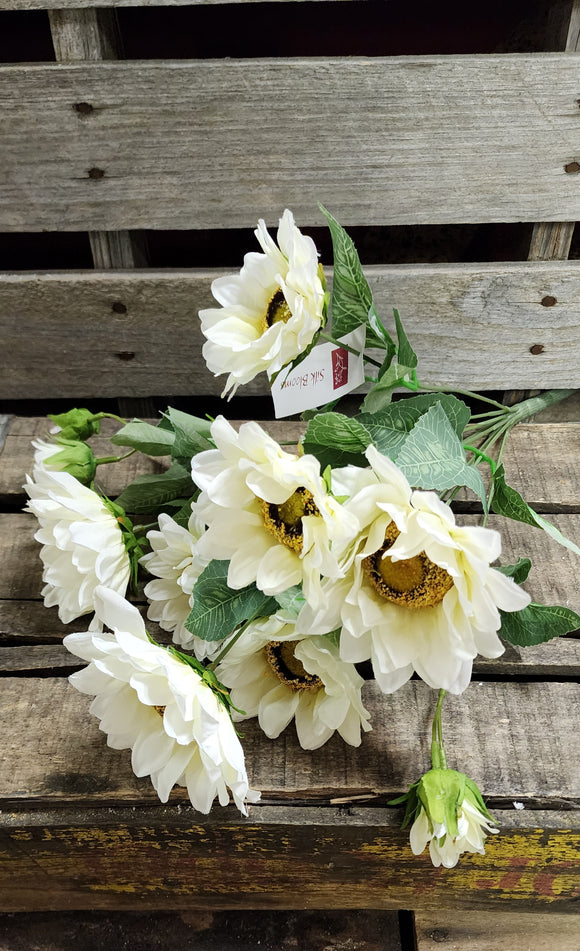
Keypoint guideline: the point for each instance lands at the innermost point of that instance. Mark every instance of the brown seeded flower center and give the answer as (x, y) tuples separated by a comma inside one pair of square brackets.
[(284, 521), (277, 311), (159, 710), (288, 669), (411, 583)]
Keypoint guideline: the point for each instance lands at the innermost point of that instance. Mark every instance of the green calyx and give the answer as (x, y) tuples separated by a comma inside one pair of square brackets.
[(441, 793), (134, 544), (73, 457), (209, 678), (76, 424)]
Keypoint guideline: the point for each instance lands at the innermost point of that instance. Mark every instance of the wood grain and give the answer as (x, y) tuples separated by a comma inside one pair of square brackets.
[(488, 931), (196, 929), (80, 4), (488, 315), (518, 741), (292, 857), (176, 144)]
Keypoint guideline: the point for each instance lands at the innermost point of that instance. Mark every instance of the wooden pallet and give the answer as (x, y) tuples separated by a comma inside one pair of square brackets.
[(74, 813)]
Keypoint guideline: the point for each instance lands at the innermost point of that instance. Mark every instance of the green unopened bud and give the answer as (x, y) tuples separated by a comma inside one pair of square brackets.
[(76, 424), (448, 813), (75, 458)]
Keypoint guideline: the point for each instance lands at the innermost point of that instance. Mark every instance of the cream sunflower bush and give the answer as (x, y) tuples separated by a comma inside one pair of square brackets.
[(155, 704), (270, 312), (82, 542), (277, 678), (269, 512), (419, 594)]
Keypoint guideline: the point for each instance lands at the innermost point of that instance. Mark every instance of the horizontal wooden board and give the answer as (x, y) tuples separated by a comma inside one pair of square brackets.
[(557, 658), (472, 325), (278, 858), (219, 143), (518, 741), (197, 929), (82, 4), (489, 931)]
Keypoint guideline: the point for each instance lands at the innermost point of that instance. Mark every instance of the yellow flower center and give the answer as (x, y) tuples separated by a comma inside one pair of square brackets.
[(288, 669), (284, 521), (411, 583), (277, 311)]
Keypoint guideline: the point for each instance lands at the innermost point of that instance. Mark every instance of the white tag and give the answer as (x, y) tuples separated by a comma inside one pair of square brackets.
[(328, 372)]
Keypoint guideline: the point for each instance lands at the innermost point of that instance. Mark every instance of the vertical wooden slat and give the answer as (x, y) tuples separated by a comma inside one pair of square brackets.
[(551, 240), (94, 35)]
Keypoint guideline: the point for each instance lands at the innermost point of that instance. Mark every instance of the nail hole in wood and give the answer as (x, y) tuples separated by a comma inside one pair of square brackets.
[(572, 168), (126, 355), (83, 108), (96, 173), (537, 348), (118, 307), (548, 301)]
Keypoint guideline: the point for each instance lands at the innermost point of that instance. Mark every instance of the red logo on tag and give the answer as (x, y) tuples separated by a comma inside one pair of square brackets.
[(339, 368)]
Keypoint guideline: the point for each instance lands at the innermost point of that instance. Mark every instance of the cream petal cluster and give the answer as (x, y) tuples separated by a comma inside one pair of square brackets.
[(419, 593), (270, 312), (269, 512), (445, 848), (176, 564), (82, 542), (150, 701), (277, 678)]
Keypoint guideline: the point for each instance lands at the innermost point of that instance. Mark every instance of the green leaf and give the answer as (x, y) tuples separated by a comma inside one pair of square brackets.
[(389, 428), (519, 572), (508, 501), (183, 509), (152, 440), (292, 600), (383, 337), (218, 609), (405, 355), (337, 440), (148, 493), (351, 294), (192, 435), (432, 456), (381, 392), (536, 624)]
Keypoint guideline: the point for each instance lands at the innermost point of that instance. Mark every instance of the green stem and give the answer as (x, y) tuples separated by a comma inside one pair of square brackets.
[(536, 404), (450, 389), (492, 485), (346, 346), (118, 419), (438, 758), (233, 640), (105, 460)]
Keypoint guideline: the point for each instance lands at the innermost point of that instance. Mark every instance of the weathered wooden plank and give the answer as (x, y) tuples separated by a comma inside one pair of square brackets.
[(199, 930), (80, 4), (558, 658), (213, 143), (490, 316), (518, 741), (279, 858), (489, 931)]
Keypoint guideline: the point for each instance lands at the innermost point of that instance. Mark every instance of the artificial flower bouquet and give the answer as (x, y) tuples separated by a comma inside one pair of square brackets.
[(279, 570)]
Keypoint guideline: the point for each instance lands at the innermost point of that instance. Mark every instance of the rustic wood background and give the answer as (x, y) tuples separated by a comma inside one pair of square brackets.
[(138, 147)]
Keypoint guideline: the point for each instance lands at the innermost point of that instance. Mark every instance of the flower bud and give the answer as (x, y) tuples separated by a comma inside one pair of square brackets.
[(76, 424), (73, 457), (448, 814)]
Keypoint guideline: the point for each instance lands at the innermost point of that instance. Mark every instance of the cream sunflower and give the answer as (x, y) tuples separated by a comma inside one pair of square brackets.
[(267, 511), (82, 541), (270, 311), (277, 678), (419, 593), (176, 564), (150, 701)]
